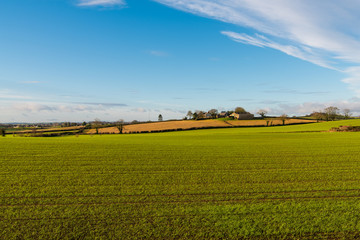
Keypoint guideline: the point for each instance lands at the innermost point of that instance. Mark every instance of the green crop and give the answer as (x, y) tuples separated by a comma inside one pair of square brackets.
[(283, 182)]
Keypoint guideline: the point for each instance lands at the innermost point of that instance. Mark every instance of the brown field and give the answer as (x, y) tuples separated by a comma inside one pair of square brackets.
[(42, 130), (189, 124)]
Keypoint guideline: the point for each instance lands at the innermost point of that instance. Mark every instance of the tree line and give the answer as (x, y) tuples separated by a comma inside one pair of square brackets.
[(331, 113), (213, 113)]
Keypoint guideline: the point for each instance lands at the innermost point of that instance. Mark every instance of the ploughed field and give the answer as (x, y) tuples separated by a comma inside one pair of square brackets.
[(276, 183), (197, 124)]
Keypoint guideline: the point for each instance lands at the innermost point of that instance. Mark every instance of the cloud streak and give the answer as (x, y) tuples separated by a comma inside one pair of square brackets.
[(102, 104), (325, 33), (36, 107), (301, 52), (6, 94), (293, 91), (30, 82), (102, 3)]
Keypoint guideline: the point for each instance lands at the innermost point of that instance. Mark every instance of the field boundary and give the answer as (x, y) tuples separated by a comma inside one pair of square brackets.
[(228, 125)]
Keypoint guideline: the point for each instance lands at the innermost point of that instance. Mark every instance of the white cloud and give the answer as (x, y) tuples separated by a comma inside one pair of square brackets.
[(34, 111), (301, 52), (323, 32), (8, 94), (353, 78), (64, 107), (39, 107), (139, 110), (309, 107), (102, 3)]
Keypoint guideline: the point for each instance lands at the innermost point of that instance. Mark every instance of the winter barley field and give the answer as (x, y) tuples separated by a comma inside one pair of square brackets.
[(286, 182)]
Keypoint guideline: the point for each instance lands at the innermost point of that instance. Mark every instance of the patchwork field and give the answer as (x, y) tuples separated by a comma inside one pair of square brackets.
[(192, 124), (44, 130), (282, 182)]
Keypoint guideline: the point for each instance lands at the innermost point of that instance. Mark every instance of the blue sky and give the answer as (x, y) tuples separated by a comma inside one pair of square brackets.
[(77, 60)]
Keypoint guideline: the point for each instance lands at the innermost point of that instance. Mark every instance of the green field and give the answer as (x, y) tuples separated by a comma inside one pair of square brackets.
[(283, 182)]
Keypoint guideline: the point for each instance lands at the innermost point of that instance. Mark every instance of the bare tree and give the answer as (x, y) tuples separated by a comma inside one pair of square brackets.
[(160, 118), (347, 113), (262, 113), (331, 113), (120, 125), (283, 118), (190, 114), (96, 124)]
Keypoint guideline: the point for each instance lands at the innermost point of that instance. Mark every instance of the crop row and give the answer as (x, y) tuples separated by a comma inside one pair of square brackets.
[(225, 183)]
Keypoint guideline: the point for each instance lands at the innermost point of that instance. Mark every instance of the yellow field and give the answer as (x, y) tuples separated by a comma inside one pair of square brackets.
[(188, 124)]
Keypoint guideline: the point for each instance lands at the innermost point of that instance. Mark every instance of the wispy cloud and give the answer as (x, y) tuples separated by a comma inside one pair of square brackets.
[(279, 107), (293, 91), (141, 110), (158, 53), (34, 106), (102, 3), (325, 33), (242, 100), (353, 78), (30, 82), (8, 94), (103, 104), (301, 52), (215, 59), (270, 102)]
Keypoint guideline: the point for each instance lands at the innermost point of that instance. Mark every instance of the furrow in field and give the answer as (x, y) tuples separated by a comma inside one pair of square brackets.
[(344, 197), (182, 194)]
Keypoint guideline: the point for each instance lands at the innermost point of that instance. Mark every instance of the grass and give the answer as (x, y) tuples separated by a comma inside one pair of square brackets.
[(276, 183)]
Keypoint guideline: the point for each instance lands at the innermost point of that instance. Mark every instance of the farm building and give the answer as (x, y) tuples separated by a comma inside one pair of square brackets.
[(242, 116), (223, 114), (208, 115)]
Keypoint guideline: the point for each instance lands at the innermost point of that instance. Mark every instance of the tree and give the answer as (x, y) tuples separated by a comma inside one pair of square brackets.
[(240, 110), (331, 113), (120, 125), (347, 113), (262, 113), (200, 114), (318, 116), (190, 114), (160, 118), (96, 124), (228, 113), (2, 132), (267, 122), (213, 112), (283, 118)]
